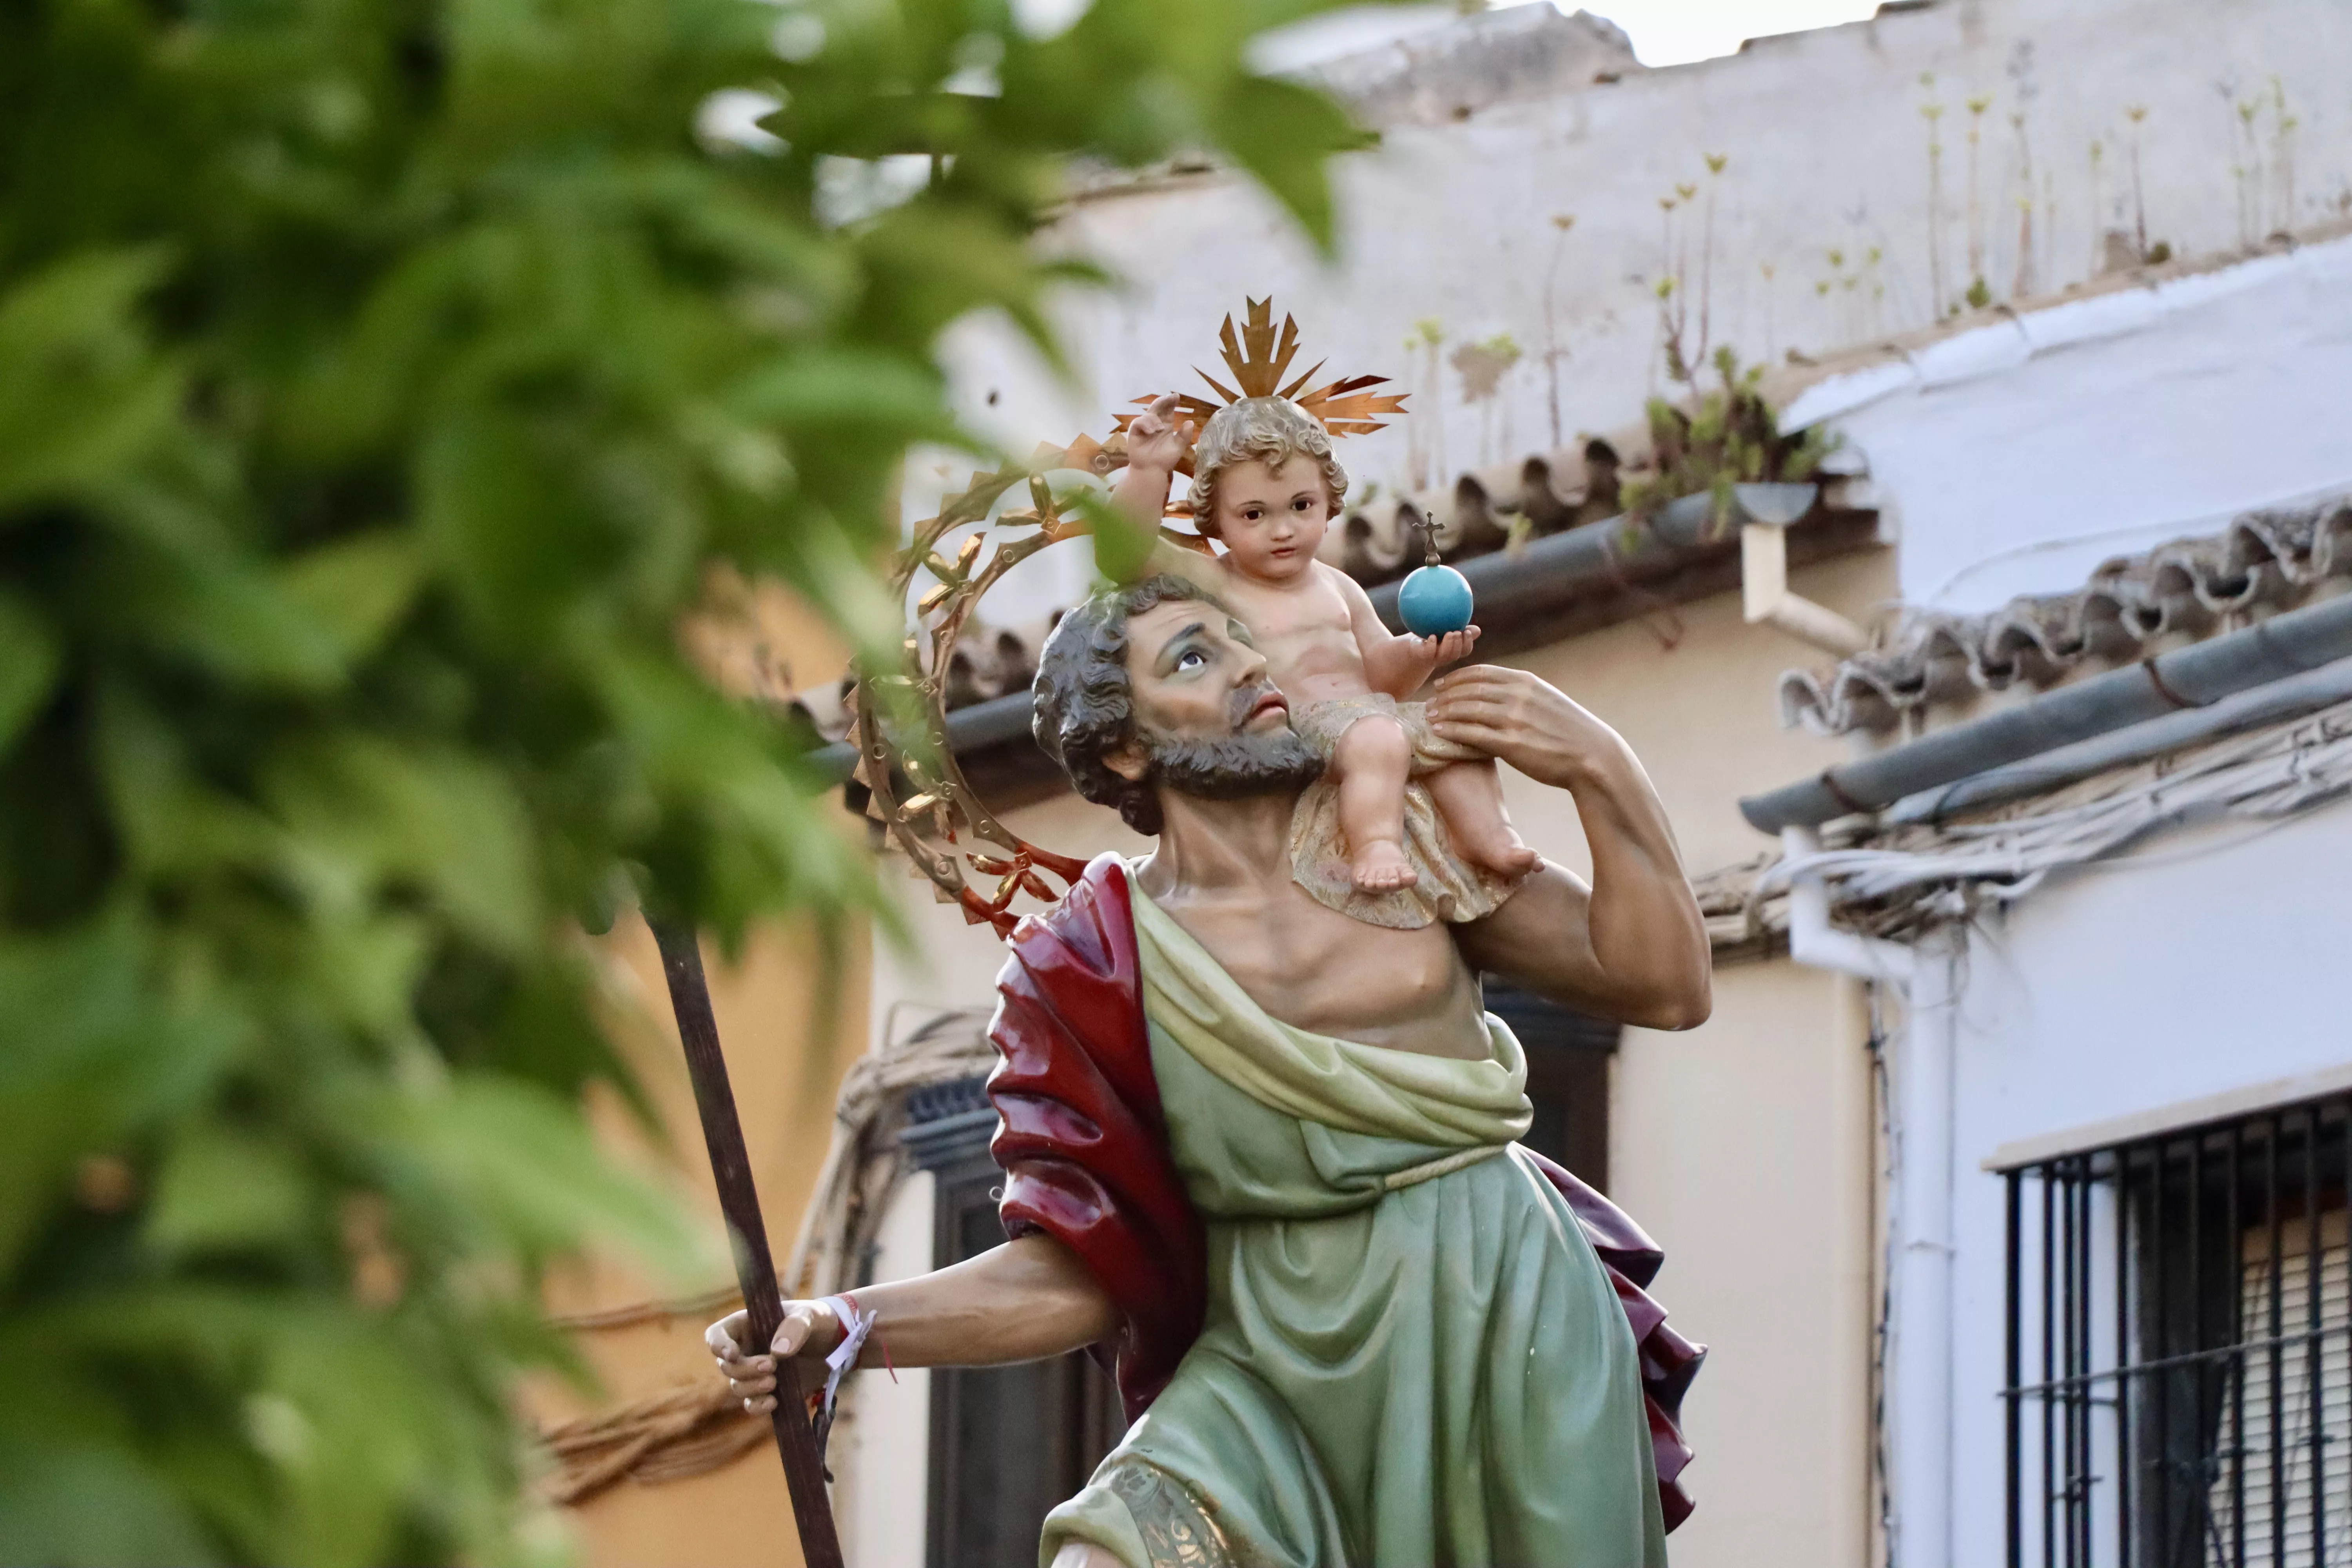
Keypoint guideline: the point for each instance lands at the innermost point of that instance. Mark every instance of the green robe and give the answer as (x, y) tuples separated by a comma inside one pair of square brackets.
[(1412, 1357)]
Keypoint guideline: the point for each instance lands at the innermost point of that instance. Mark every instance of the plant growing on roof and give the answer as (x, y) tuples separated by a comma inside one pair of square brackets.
[(1976, 105), (1482, 366), (2026, 90), (2137, 115), (2283, 128), (2099, 232), (1683, 354), (1731, 436), (1667, 289), (1555, 350), (1426, 438), (1716, 164), (1932, 114)]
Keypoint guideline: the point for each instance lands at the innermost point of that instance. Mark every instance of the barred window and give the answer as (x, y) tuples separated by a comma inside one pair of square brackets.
[(1567, 1056), (1007, 1443), (2180, 1372)]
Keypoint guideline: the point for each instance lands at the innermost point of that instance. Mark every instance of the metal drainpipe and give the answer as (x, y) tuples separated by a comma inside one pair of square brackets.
[(1919, 1353), (1813, 941), (2203, 674)]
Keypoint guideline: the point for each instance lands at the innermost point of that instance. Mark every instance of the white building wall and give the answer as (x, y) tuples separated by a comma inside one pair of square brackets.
[(2201, 965), (1823, 234), (2015, 458), (2018, 457), (880, 1450)]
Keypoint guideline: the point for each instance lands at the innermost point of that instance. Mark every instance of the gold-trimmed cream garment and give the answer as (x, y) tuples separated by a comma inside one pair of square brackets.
[(1450, 888)]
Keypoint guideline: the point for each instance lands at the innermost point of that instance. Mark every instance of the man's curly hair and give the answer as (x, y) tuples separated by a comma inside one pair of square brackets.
[(1083, 709)]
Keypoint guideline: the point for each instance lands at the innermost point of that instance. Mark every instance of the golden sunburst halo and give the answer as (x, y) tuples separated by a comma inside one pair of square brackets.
[(1257, 358), (917, 788)]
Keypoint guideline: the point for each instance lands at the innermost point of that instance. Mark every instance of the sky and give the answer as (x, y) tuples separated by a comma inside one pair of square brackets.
[(1670, 32), (1665, 32)]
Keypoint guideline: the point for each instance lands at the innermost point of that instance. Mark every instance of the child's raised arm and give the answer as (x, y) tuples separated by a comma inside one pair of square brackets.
[(1393, 663), (1156, 443)]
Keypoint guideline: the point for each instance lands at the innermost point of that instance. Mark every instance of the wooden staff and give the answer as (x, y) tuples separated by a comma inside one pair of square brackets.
[(755, 1270)]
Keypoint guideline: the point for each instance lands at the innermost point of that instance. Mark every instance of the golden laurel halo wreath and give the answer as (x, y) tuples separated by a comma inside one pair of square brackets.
[(918, 791)]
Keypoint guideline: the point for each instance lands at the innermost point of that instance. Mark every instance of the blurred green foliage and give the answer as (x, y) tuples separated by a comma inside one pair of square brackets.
[(377, 379)]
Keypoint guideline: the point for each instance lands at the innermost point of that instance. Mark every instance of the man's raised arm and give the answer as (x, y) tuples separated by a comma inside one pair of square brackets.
[(1632, 947), (1024, 1300)]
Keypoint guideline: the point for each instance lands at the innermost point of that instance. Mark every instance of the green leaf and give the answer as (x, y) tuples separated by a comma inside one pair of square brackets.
[(829, 387), (1122, 545), (91, 1506), (364, 815), (170, 821), (81, 395), (29, 658), (510, 505), (356, 589), (523, 1162), (1282, 131), (222, 1188), (93, 1053), (229, 614)]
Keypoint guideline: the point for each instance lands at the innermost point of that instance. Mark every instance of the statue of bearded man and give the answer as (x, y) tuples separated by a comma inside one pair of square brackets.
[(1262, 1157)]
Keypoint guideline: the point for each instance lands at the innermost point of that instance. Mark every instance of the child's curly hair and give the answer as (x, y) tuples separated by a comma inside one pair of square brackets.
[(1271, 429)]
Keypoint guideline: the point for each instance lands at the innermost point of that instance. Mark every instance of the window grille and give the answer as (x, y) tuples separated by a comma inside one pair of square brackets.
[(1007, 1443), (2179, 1348), (1567, 1078)]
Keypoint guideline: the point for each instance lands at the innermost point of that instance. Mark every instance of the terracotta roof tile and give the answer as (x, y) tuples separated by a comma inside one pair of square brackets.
[(2264, 562)]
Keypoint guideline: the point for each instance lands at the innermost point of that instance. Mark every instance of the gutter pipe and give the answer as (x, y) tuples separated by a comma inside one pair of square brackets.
[(1919, 1258), (982, 724), (2191, 677), (1813, 941), (2297, 695), (1531, 579)]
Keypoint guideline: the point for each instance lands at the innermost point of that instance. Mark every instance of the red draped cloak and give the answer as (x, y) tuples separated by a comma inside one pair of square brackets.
[(1085, 1155)]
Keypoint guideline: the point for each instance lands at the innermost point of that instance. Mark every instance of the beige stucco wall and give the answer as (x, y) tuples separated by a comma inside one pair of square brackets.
[(791, 1023), (1743, 1145), (785, 1060)]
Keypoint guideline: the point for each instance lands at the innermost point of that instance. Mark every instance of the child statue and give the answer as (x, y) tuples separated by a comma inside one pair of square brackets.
[(1367, 842)]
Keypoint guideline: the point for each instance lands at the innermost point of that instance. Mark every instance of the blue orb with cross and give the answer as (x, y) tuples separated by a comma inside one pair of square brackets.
[(1434, 601)]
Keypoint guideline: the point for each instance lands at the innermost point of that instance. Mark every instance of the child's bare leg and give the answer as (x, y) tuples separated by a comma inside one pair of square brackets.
[(1371, 762), (1469, 797)]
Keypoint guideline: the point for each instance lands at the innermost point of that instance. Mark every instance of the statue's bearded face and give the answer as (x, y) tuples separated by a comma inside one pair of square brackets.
[(1208, 721)]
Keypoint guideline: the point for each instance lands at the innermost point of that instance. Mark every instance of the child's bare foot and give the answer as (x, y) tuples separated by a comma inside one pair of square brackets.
[(1381, 867), (1470, 803), (1506, 855)]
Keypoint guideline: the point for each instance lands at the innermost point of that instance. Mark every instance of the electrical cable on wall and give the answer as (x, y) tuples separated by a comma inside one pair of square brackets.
[(1909, 875)]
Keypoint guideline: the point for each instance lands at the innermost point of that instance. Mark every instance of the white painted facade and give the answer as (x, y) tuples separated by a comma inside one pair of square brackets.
[(2018, 457), (2183, 972)]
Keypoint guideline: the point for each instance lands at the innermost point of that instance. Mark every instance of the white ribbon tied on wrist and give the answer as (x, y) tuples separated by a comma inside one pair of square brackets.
[(855, 1328)]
